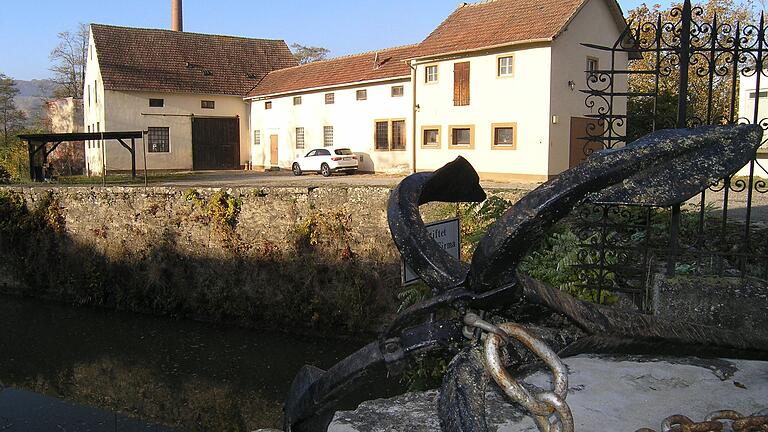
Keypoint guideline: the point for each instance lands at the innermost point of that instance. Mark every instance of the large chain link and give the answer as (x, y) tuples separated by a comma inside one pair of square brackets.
[(717, 421), (549, 408)]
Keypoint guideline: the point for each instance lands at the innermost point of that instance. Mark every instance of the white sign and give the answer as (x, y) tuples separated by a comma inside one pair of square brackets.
[(446, 234)]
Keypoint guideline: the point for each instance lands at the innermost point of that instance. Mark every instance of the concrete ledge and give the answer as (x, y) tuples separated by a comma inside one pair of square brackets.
[(605, 394)]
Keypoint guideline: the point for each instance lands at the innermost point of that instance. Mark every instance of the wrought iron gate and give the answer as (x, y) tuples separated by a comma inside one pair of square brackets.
[(686, 70)]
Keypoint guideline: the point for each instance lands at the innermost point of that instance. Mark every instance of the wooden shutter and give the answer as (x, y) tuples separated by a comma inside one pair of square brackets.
[(461, 84)]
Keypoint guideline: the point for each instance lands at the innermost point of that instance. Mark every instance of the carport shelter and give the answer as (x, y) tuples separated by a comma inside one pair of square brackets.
[(40, 146)]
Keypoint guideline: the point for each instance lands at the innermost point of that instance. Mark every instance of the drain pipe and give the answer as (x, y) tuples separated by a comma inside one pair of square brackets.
[(415, 109)]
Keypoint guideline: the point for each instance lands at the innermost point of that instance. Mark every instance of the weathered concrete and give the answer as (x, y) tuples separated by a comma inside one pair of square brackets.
[(726, 302), (605, 394)]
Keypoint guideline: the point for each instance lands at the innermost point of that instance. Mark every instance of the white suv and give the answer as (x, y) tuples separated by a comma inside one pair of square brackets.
[(326, 162)]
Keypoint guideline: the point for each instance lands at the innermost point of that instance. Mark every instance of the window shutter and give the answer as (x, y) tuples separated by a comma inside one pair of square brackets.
[(461, 84)]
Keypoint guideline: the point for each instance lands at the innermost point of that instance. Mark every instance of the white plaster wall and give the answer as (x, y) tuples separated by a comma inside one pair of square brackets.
[(352, 121), (747, 85), (130, 111), (593, 24), (522, 99), (93, 109), (65, 115)]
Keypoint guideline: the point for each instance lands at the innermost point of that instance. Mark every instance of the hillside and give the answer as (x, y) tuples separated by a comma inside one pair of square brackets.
[(31, 95)]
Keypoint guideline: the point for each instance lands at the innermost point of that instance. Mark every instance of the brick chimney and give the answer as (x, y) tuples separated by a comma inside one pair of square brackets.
[(177, 19)]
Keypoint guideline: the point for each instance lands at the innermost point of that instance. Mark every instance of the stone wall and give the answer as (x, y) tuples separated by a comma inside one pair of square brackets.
[(270, 257)]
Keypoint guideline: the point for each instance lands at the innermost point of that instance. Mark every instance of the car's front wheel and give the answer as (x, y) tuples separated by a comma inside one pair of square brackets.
[(325, 170), (296, 169)]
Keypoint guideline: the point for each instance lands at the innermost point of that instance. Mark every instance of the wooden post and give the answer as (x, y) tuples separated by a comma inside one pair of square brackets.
[(103, 161), (133, 158), (31, 160), (144, 150)]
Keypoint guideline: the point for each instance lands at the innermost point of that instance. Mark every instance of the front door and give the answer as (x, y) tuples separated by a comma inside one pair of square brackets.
[(215, 143), (584, 132), (273, 150)]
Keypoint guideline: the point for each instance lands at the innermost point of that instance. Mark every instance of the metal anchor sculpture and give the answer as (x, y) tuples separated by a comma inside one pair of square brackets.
[(662, 169)]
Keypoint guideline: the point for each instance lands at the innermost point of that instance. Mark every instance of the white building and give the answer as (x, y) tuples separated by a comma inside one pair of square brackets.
[(185, 89), (749, 97), (497, 82)]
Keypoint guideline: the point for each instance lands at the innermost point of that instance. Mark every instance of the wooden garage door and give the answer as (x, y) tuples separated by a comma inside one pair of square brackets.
[(581, 147), (215, 143)]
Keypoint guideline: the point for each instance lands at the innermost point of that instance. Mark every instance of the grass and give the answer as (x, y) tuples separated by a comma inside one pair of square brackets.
[(120, 179)]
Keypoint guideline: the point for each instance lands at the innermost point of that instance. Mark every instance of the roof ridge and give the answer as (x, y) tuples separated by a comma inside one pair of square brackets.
[(344, 57), (366, 53), (476, 3), (186, 32)]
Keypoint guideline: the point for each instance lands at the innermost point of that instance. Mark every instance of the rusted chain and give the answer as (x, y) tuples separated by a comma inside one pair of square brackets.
[(716, 422), (543, 405)]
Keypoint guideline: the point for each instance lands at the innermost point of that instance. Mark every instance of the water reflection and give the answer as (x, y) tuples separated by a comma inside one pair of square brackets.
[(23, 411), (182, 374)]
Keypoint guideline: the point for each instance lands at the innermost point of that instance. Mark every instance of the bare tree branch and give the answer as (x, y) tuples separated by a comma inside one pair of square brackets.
[(69, 59)]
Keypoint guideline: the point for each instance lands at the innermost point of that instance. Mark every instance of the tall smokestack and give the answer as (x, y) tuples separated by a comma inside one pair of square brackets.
[(177, 20)]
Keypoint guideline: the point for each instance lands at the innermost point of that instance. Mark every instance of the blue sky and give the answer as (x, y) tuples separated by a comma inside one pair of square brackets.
[(28, 28)]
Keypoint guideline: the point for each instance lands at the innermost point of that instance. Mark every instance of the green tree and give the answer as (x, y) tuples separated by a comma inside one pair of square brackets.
[(308, 54), (640, 109), (11, 118), (69, 60)]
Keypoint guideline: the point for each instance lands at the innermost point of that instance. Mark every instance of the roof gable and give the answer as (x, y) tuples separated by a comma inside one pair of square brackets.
[(494, 23), (182, 62)]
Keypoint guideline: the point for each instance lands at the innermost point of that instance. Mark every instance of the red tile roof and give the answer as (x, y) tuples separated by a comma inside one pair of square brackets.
[(494, 23), (472, 26), (342, 70), (182, 62)]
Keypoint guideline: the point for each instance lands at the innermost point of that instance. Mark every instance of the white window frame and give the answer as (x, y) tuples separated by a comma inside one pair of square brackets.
[(430, 78), (505, 70)]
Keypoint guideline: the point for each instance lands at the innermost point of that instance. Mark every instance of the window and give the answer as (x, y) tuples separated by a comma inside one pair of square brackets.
[(207, 104), (268, 105), (297, 100), (431, 74), (389, 135), (89, 94), (593, 64), (461, 84), (362, 95), (257, 137), (381, 138), (504, 136), (95, 92), (506, 66), (89, 141), (398, 91), (157, 103), (330, 98), (398, 135), (462, 136), (754, 95), (299, 137), (159, 140), (430, 136), (328, 136)]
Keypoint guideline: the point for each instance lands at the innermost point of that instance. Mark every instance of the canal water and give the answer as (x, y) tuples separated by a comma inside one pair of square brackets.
[(78, 369)]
